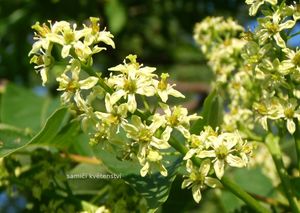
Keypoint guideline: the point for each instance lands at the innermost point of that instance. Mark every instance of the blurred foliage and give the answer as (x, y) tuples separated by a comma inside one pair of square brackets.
[(159, 31)]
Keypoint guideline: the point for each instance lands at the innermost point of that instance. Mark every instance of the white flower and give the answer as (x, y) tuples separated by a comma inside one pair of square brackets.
[(289, 111), (255, 4), (164, 89), (147, 140), (223, 152), (271, 26), (198, 179), (151, 162), (293, 60), (133, 80), (114, 115), (86, 110), (69, 81), (178, 118)]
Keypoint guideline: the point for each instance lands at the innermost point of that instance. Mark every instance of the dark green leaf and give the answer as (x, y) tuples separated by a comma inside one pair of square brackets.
[(24, 109), (51, 128), (212, 113), (263, 185), (154, 188), (296, 185), (13, 140), (66, 136)]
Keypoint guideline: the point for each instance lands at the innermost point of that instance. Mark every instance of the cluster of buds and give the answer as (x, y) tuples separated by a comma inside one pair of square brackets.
[(119, 105)]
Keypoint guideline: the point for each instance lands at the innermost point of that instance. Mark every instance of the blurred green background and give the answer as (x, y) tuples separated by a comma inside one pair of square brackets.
[(158, 31)]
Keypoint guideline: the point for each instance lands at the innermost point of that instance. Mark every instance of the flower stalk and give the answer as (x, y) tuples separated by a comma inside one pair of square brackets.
[(272, 143), (297, 144)]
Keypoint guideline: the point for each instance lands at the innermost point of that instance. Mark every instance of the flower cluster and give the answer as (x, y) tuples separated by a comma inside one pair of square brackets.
[(116, 110), (76, 45), (217, 150), (217, 38), (125, 92), (275, 67), (261, 72)]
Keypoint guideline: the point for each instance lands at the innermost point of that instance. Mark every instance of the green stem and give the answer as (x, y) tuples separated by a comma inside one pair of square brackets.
[(145, 102), (239, 192), (297, 144), (272, 143), (230, 185), (101, 82)]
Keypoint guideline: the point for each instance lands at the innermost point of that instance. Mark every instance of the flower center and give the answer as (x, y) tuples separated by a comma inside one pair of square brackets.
[(273, 28), (289, 112), (145, 135), (130, 86), (69, 36), (162, 85), (72, 86), (296, 59), (221, 152)]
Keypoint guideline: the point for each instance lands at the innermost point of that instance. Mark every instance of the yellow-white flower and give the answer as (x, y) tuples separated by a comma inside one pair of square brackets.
[(179, 119), (255, 4), (198, 143), (145, 136), (223, 151), (69, 81), (267, 109), (271, 26), (164, 89), (290, 110), (153, 161), (198, 179), (134, 79), (115, 114), (86, 110), (293, 60), (62, 33)]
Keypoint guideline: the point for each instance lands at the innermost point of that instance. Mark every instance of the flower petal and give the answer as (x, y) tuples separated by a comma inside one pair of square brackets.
[(235, 161), (196, 193), (88, 83), (219, 168), (291, 126), (212, 182)]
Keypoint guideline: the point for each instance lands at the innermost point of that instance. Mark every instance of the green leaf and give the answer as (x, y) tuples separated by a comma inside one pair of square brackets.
[(87, 185), (244, 178), (154, 188), (263, 185), (88, 207), (65, 137), (230, 202), (24, 109), (81, 146), (52, 127), (212, 113), (13, 140), (116, 14)]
